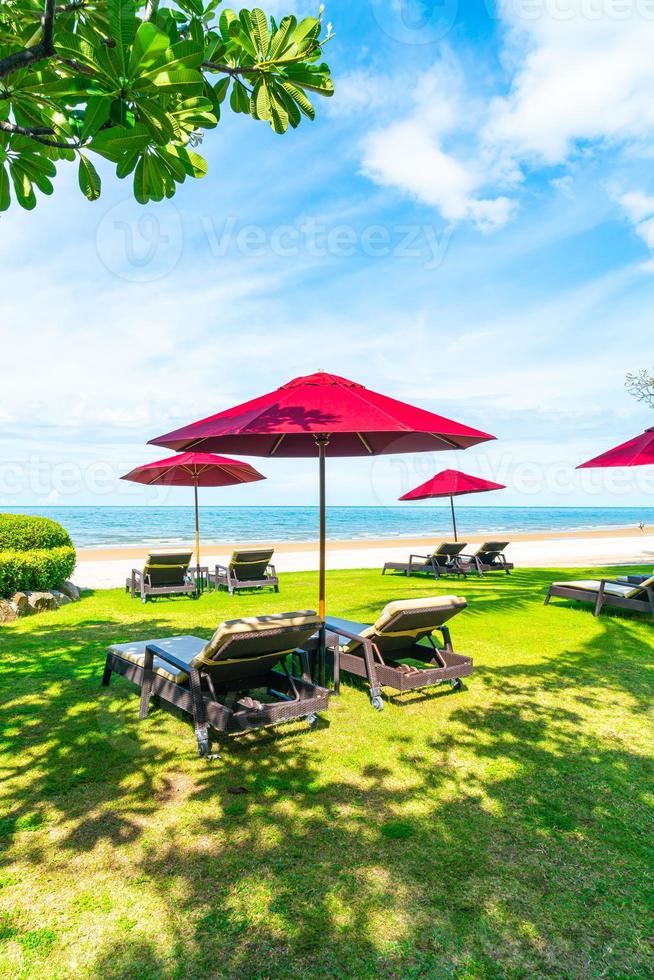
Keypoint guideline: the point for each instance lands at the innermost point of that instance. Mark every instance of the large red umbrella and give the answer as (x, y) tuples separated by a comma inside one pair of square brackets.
[(194, 470), (635, 452), (310, 415), (451, 483)]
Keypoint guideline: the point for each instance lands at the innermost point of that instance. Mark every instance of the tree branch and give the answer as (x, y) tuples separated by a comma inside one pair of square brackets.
[(40, 134), (44, 48)]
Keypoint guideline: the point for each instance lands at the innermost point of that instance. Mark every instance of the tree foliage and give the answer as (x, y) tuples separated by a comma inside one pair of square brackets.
[(138, 83), (641, 386)]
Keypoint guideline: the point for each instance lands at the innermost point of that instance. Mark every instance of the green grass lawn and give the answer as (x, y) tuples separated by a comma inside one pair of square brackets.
[(503, 831)]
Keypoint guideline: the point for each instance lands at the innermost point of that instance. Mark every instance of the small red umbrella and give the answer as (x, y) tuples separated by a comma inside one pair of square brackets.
[(451, 483), (635, 452), (310, 414), (194, 470)]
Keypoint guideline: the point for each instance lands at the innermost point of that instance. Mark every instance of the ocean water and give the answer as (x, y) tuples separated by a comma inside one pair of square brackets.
[(92, 527)]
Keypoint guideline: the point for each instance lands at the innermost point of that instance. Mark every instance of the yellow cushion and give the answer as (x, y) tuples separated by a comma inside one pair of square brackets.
[(409, 625)]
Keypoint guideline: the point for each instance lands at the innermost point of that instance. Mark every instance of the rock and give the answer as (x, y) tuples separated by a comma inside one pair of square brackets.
[(20, 603), (70, 590), (60, 598), (41, 601), (7, 612)]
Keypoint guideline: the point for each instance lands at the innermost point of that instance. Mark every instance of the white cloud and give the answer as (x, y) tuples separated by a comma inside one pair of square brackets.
[(411, 153), (579, 77)]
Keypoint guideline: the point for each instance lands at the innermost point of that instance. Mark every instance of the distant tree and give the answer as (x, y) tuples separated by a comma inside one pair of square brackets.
[(641, 386), (138, 83)]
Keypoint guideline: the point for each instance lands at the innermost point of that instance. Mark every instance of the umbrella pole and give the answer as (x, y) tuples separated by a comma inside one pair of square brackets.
[(322, 442), (453, 518), (197, 538)]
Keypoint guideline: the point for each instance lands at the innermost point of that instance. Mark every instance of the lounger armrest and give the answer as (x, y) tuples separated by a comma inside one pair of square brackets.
[(222, 568), (347, 633), (271, 570), (158, 651), (425, 557), (137, 574)]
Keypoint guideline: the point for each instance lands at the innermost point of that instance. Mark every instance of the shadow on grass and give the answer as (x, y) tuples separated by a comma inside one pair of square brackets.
[(508, 837)]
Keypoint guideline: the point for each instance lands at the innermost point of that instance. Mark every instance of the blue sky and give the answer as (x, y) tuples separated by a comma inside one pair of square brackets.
[(468, 225)]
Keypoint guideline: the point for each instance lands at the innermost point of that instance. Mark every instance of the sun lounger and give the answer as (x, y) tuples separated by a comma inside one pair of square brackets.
[(634, 579), (606, 592), (399, 650), (236, 681), (165, 572), (442, 561), (247, 570), (489, 557)]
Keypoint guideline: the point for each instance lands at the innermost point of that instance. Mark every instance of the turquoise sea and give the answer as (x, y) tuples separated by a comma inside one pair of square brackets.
[(92, 527)]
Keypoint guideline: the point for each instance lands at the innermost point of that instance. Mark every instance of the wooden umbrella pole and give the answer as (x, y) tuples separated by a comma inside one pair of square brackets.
[(197, 538), (322, 441), (453, 518)]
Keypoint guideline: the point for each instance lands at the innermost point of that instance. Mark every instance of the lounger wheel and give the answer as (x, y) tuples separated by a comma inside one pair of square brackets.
[(456, 684), (204, 748), (312, 720), (377, 702)]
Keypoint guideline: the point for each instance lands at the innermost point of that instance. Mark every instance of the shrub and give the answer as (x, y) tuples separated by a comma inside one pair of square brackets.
[(39, 569), (35, 553), (22, 532)]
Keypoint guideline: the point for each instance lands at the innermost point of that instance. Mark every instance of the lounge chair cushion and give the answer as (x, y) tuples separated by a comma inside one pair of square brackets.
[(184, 648), (250, 565), (167, 567), (623, 591), (197, 652), (406, 621), (306, 620)]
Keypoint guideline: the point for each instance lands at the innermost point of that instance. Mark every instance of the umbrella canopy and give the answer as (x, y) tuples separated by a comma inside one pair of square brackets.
[(635, 452), (194, 470), (318, 413), (451, 483)]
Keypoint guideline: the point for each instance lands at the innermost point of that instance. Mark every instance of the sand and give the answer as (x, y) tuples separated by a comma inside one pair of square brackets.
[(100, 568)]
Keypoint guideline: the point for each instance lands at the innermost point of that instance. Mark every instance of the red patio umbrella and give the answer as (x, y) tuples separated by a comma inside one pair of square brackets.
[(451, 483), (312, 414), (194, 470), (635, 452)]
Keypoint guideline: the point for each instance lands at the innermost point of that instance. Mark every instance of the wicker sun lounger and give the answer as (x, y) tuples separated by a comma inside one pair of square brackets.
[(489, 557), (165, 572), (606, 592), (236, 681), (247, 570), (399, 651), (442, 561)]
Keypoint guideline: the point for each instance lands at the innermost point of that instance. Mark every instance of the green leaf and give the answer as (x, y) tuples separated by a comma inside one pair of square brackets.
[(122, 25), (184, 82), (127, 164), (278, 115), (22, 186), (97, 112), (261, 100), (142, 180), (149, 44), (261, 33), (89, 179), (220, 89), (282, 36), (300, 97), (5, 193), (161, 124), (239, 100)]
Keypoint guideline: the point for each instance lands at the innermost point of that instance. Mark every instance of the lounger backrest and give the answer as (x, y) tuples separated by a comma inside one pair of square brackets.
[(445, 552), (490, 551), (403, 623), (248, 566), (248, 646), (640, 589), (167, 568)]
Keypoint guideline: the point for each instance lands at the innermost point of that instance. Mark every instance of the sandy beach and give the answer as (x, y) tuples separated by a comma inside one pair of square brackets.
[(103, 568)]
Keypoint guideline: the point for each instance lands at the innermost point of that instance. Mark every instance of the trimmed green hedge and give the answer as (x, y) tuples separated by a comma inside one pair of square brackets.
[(22, 532), (39, 569), (35, 553)]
